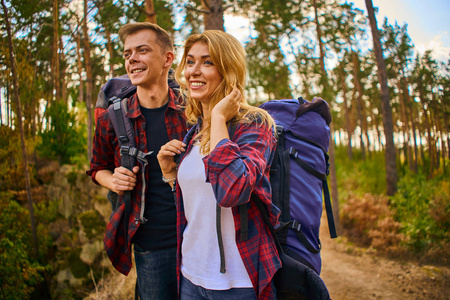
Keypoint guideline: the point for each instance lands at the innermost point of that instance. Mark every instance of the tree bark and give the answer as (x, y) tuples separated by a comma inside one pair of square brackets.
[(427, 124), (359, 104), (63, 73), (409, 107), (89, 81), (55, 56), (150, 11), (347, 113), (80, 68), (110, 51), (20, 125), (333, 182), (386, 110), (213, 14)]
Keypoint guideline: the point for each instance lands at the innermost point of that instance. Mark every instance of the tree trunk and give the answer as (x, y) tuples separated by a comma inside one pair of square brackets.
[(89, 81), (150, 11), (386, 110), (414, 133), (347, 113), (110, 51), (213, 14), (437, 125), (446, 126), (20, 125), (55, 56), (324, 77), (359, 104), (405, 123), (427, 124), (333, 181), (409, 107), (80, 69), (63, 73)]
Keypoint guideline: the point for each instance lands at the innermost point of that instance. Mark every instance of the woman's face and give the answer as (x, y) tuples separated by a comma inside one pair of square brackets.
[(202, 76)]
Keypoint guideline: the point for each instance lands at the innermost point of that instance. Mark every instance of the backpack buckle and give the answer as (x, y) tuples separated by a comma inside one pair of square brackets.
[(296, 225), (123, 139), (127, 150), (112, 100), (293, 152), (279, 129)]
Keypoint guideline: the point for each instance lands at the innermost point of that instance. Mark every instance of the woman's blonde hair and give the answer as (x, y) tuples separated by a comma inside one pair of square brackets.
[(228, 56)]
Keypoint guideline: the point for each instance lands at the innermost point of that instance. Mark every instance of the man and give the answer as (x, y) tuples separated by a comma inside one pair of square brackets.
[(157, 118)]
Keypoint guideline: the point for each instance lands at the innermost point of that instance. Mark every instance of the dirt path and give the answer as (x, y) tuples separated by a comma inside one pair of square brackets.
[(352, 273)]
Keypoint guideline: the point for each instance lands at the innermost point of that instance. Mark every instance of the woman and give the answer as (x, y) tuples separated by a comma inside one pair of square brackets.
[(219, 169)]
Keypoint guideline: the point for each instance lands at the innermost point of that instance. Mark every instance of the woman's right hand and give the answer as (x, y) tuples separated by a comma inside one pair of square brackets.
[(166, 157)]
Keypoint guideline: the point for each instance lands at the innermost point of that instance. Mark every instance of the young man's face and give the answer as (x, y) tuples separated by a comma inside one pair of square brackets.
[(143, 59)]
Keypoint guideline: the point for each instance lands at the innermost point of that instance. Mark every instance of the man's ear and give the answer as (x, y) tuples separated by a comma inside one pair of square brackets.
[(169, 58)]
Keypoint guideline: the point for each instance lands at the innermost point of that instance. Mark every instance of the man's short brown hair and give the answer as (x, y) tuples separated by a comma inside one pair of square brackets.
[(162, 36)]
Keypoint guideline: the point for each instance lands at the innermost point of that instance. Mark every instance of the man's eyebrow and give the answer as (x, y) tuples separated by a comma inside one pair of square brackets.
[(137, 47)]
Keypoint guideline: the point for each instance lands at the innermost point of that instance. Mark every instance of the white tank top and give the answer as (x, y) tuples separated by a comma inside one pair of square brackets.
[(200, 262)]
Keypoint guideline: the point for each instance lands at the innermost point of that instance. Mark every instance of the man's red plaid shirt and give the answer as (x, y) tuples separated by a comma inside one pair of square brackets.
[(106, 156)]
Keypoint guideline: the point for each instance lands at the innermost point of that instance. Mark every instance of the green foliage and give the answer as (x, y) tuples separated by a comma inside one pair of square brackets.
[(417, 216), (423, 208), (9, 145), (19, 273), (360, 176), (63, 139)]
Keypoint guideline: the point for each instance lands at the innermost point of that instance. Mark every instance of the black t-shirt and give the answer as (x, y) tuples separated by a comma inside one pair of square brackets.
[(159, 231)]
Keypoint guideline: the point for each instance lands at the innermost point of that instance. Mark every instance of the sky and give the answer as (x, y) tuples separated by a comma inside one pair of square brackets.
[(428, 22)]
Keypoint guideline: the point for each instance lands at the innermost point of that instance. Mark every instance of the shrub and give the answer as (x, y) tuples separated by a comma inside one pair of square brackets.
[(63, 139), (423, 208), (358, 176), (19, 273), (369, 221)]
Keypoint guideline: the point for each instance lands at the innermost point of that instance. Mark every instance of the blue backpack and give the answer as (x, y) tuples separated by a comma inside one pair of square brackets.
[(299, 175)]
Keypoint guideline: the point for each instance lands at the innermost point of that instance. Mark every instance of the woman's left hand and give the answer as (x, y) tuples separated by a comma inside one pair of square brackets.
[(228, 107), (224, 111)]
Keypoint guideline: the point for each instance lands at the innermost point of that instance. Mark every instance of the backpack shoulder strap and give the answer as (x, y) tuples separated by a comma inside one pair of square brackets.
[(129, 153), (124, 131)]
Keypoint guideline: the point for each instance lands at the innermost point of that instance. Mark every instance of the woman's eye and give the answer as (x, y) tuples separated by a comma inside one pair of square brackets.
[(189, 62), (208, 62)]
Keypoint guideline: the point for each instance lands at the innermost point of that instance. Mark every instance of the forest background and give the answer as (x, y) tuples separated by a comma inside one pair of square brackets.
[(390, 143)]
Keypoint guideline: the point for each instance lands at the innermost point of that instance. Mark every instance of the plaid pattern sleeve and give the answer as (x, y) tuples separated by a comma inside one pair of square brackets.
[(106, 156)]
